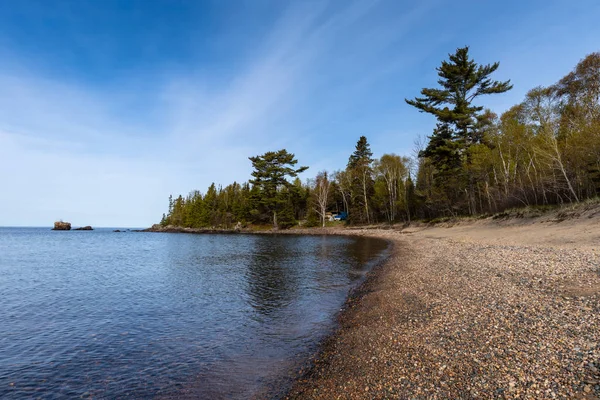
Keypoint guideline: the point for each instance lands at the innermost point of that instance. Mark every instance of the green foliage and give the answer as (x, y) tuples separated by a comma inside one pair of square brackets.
[(285, 218), (462, 81), (443, 151), (391, 191), (461, 125), (362, 156), (312, 219), (270, 175), (359, 173)]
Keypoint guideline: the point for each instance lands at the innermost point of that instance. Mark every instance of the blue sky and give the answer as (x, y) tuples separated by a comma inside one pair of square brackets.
[(107, 107)]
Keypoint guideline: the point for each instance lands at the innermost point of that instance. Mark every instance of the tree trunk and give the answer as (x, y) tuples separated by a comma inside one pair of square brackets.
[(406, 201), (365, 196), (345, 201)]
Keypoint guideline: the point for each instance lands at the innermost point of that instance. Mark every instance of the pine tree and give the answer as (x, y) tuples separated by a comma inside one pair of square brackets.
[(462, 123), (270, 172), (359, 166), (443, 151), (209, 211), (362, 156), (462, 81)]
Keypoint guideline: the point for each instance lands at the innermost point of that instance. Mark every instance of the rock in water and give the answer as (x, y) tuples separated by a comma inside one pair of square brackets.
[(62, 226), (84, 228)]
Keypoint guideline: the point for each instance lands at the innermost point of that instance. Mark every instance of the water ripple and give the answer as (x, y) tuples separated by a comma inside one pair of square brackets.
[(105, 315)]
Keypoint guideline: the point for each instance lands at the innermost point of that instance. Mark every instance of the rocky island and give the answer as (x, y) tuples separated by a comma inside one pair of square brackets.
[(84, 228), (62, 226)]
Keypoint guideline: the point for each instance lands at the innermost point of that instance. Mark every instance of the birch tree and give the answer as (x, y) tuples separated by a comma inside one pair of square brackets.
[(321, 195)]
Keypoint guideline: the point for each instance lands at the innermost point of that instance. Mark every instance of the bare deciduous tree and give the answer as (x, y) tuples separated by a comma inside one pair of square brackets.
[(321, 193)]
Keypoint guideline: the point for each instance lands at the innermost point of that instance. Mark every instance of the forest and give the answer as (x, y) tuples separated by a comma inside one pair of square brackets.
[(542, 151)]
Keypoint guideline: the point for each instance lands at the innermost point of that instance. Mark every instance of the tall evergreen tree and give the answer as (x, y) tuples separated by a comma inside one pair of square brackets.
[(462, 81), (360, 168), (270, 172), (443, 152), (462, 123), (209, 211), (362, 156)]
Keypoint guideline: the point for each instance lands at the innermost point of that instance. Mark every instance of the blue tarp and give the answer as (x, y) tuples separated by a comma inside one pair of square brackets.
[(341, 216)]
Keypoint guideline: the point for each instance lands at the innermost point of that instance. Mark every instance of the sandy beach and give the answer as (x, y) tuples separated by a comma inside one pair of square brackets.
[(477, 309)]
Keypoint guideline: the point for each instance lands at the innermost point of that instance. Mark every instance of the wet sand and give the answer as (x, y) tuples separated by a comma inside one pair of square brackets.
[(478, 309)]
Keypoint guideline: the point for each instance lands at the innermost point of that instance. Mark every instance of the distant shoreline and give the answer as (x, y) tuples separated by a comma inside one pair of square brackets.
[(352, 230)]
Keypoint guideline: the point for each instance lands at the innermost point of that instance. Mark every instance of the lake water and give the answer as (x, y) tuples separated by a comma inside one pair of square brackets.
[(153, 315)]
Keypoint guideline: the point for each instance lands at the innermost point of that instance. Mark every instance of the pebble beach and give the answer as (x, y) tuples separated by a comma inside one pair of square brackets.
[(475, 311)]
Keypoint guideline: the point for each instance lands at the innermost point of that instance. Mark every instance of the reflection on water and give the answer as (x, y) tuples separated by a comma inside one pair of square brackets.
[(272, 284), (101, 314)]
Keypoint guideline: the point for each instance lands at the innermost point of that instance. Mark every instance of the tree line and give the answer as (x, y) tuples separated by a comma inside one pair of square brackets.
[(543, 151)]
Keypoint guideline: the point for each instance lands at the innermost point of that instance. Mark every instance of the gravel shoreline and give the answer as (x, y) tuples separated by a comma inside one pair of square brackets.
[(448, 318)]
